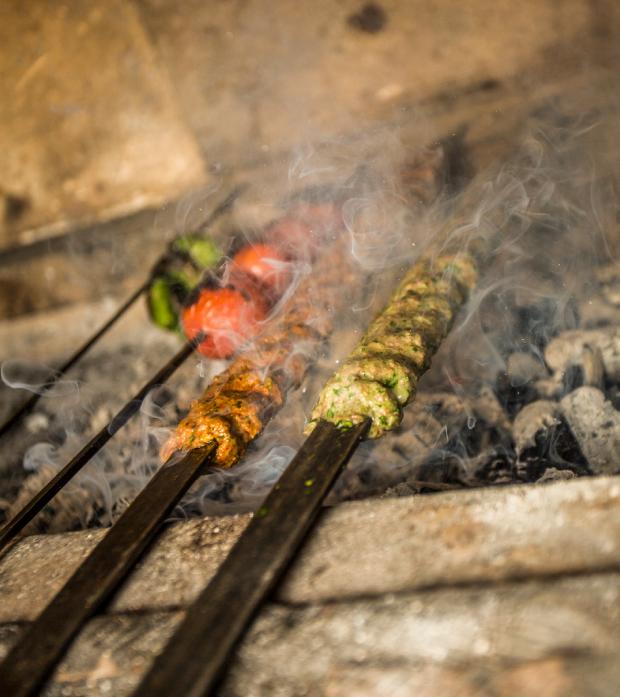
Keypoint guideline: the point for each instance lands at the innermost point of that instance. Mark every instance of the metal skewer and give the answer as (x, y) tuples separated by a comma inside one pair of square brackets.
[(14, 526), (78, 461), (197, 652), (30, 661), (52, 378), (217, 619)]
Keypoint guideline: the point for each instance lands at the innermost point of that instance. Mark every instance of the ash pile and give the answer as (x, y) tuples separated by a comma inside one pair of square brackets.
[(75, 409), (551, 413)]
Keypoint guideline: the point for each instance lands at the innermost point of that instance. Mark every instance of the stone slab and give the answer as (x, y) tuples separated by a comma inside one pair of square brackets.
[(90, 126), (555, 638), (366, 548), (459, 537), (554, 676), (35, 569)]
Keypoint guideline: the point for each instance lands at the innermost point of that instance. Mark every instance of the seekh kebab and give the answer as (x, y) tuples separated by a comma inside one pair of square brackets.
[(381, 374), (237, 405)]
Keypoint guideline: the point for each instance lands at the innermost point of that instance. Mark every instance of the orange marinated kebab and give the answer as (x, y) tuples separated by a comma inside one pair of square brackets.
[(240, 401)]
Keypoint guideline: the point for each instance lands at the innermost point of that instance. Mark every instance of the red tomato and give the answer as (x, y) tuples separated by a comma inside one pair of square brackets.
[(265, 264), (226, 316)]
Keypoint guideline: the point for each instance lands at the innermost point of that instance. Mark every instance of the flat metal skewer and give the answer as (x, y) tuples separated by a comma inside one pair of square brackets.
[(78, 461), (31, 660), (52, 378), (196, 654)]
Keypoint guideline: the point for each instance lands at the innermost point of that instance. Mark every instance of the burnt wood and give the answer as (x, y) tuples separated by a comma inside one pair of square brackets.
[(31, 660)]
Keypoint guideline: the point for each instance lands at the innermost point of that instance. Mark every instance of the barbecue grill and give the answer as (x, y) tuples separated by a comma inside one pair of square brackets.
[(280, 525), (426, 301), (478, 215)]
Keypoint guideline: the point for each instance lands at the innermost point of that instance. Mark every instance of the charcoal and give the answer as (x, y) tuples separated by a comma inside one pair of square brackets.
[(552, 474), (596, 313), (512, 321), (477, 457), (540, 320), (543, 440), (535, 418), (36, 422), (412, 487), (608, 277), (433, 423), (613, 395), (448, 407), (494, 466), (587, 370), (568, 349), (518, 385), (550, 388), (475, 433), (513, 397), (595, 424), (487, 407)]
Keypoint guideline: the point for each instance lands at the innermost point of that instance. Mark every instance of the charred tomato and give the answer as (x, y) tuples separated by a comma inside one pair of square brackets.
[(227, 317)]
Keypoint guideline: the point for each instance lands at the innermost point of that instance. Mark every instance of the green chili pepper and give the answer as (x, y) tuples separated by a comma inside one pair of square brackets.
[(176, 274)]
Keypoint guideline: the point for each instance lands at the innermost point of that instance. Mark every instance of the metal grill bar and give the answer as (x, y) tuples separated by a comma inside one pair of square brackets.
[(47, 493), (197, 652), (52, 378), (31, 660)]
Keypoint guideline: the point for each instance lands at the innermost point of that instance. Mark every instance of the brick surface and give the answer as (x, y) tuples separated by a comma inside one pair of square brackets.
[(172, 574), (390, 546), (555, 676), (554, 638), (370, 547)]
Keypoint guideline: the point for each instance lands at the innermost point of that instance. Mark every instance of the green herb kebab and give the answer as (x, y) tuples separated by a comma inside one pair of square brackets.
[(381, 374)]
